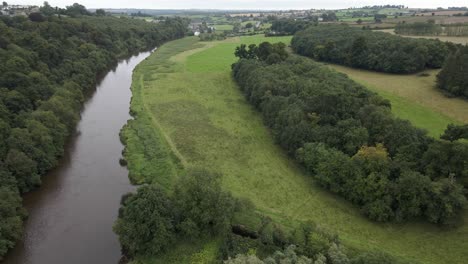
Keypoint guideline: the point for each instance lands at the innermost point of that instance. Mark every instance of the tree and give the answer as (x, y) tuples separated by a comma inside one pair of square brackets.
[(454, 132), (336, 255), (145, 224), (36, 17), (23, 169), (100, 12), (46, 9), (446, 201), (5, 4), (412, 191), (453, 78), (76, 10), (11, 214), (202, 205), (359, 21)]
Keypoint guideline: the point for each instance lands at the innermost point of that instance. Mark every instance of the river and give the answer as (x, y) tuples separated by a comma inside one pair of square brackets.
[(72, 213)]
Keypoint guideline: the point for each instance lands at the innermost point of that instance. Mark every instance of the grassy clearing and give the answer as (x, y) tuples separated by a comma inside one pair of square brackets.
[(184, 93), (414, 98)]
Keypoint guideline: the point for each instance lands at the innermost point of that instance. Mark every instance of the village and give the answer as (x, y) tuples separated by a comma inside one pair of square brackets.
[(17, 10)]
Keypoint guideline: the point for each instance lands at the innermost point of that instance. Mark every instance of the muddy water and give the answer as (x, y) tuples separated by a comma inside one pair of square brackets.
[(71, 215)]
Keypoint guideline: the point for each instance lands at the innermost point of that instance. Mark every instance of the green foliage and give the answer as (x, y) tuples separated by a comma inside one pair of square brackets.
[(145, 224), (202, 204), (150, 221), (288, 26), (454, 132), (11, 214), (370, 50), (453, 78), (418, 28), (267, 52), (324, 128), (48, 63)]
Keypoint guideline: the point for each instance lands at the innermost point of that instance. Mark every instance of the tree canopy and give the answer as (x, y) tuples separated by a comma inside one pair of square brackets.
[(348, 140), (369, 50)]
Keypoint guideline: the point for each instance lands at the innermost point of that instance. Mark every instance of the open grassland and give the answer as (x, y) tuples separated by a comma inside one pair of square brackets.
[(192, 114), (223, 27), (456, 40), (414, 97)]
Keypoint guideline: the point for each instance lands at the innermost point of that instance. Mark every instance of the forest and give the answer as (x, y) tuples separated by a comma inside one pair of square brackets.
[(347, 139), (453, 78), (365, 49), (50, 60)]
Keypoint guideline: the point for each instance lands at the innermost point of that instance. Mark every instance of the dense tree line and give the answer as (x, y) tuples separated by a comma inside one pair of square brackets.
[(370, 50), (267, 52), (431, 29), (348, 140), (288, 26), (46, 67), (453, 78), (418, 29)]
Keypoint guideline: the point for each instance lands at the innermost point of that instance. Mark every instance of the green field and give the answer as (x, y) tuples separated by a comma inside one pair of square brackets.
[(414, 98), (190, 113), (223, 27)]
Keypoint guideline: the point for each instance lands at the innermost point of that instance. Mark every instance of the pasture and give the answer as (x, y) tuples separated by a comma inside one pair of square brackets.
[(190, 113)]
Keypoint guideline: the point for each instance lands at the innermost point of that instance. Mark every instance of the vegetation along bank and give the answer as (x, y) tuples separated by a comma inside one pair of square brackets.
[(50, 60)]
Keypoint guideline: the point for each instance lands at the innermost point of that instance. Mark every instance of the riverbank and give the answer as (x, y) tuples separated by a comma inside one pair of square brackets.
[(71, 215), (193, 115)]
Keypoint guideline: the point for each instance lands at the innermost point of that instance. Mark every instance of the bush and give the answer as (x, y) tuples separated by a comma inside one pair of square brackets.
[(145, 225)]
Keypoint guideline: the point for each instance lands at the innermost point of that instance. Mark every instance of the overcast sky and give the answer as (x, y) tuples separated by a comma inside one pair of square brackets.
[(242, 4)]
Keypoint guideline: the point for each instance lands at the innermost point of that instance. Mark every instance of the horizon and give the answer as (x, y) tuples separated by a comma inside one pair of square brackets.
[(242, 5)]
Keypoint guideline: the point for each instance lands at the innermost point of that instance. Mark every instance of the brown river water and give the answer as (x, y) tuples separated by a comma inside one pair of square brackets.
[(72, 213)]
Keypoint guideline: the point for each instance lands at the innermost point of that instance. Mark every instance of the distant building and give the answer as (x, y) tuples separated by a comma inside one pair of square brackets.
[(18, 10)]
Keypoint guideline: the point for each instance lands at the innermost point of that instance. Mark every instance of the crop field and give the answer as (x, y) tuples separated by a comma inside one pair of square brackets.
[(190, 113)]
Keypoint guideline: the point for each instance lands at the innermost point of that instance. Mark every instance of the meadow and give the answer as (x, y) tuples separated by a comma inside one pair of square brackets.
[(189, 113), (414, 97)]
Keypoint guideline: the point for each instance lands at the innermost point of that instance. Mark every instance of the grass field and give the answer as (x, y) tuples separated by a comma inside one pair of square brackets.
[(223, 27), (190, 113), (414, 98)]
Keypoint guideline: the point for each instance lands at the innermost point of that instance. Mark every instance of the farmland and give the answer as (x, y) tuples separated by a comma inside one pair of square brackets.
[(190, 113)]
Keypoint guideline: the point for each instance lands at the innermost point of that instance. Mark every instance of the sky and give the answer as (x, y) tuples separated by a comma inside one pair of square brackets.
[(243, 4)]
